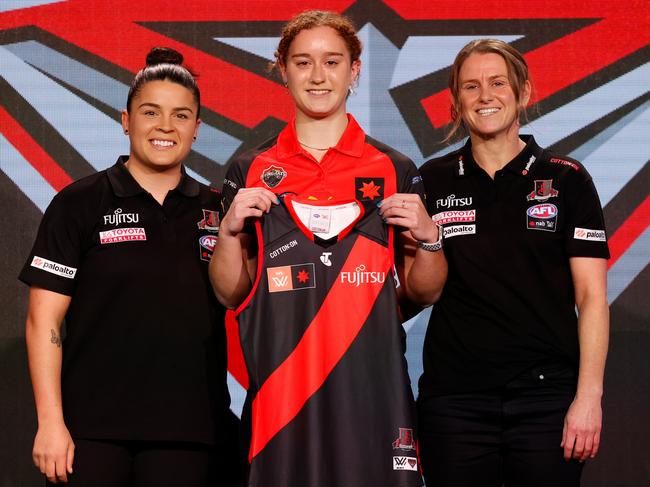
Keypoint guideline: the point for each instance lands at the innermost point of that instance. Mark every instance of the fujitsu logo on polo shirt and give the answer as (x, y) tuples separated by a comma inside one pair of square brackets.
[(117, 217), (451, 201), (53, 267), (362, 276)]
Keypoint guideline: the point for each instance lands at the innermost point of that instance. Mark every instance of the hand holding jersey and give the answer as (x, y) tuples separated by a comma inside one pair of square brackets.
[(423, 282)]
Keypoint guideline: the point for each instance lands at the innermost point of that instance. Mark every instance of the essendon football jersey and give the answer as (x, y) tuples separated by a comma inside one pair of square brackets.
[(331, 403)]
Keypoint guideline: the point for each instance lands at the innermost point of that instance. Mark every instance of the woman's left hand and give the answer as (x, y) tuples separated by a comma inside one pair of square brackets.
[(582, 425), (407, 210)]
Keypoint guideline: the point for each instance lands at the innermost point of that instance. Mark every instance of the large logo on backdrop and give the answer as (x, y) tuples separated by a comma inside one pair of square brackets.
[(65, 69)]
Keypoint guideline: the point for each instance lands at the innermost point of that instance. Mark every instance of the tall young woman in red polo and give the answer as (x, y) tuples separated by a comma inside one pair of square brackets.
[(512, 380), (135, 393), (316, 218)]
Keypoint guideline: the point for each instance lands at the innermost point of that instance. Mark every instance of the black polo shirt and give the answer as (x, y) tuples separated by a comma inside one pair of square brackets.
[(144, 352), (508, 303)]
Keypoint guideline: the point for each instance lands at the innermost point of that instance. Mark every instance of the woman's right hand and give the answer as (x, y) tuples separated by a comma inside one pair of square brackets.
[(248, 202), (53, 452)]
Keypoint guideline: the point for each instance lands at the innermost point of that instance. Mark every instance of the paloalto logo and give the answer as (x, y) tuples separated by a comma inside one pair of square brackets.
[(361, 276)]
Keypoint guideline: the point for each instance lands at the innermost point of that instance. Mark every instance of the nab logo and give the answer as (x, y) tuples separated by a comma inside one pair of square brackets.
[(325, 259)]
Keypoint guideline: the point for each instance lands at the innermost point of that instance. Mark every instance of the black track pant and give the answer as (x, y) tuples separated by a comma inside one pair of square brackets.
[(142, 464), (510, 436)]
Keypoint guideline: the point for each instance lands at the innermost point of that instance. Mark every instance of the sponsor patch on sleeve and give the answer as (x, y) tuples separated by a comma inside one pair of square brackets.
[(53, 267), (589, 234)]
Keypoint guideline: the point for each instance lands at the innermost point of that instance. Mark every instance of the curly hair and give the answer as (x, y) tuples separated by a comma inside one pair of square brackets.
[(317, 18)]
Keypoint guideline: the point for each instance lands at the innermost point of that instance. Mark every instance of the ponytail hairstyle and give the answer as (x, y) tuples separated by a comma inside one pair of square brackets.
[(517, 76), (164, 64)]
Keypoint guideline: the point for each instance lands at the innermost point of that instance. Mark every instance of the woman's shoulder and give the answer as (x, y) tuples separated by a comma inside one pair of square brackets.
[(563, 167), (83, 191), (441, 163)]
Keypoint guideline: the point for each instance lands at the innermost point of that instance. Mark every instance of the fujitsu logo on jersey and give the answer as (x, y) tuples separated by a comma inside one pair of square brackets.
[(362, 276), (451, 201), (117, 217)]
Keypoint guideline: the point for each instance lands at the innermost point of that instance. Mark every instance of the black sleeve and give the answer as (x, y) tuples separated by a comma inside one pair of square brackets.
[(233, 180), (56, 255), (585, 225), (410, 180)]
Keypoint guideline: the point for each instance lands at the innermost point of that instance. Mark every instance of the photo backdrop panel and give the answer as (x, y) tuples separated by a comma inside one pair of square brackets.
[(65, 68)]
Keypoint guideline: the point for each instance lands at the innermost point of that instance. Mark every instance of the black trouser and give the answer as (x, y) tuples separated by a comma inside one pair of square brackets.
[(510, 436), (99, 463)]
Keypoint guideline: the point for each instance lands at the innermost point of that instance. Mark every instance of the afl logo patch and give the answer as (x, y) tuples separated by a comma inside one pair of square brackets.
[(206, 246), (542, 217), (543, 211), (273, 175)]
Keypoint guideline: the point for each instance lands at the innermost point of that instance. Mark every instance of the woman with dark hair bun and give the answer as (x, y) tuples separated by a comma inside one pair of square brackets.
[(135, 393)]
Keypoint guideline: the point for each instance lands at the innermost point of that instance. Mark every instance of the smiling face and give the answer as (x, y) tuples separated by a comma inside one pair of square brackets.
[(161, 125), (488, 105), (318, 72)]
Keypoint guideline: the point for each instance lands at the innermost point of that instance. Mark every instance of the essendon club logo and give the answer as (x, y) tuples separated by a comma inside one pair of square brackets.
[(405, 441), (291, 277), (369, 189), (543, 190), (273, 175), (210, 221)]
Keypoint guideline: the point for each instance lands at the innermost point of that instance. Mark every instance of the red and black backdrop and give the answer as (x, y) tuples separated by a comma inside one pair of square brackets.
[(65, 67)]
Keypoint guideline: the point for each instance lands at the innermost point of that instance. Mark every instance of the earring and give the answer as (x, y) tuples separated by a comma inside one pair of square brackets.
[(126, 132), (194, 138), (350, 90)]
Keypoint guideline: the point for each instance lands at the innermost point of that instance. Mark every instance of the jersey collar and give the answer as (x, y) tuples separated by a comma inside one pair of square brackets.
[(124, 185), (351, 143), (522, 164)]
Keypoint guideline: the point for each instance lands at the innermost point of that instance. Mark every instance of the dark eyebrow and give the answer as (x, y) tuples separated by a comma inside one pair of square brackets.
[(155, 105), (301, 54)]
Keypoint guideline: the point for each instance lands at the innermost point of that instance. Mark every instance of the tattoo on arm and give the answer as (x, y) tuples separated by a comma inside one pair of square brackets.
[(56, 339)]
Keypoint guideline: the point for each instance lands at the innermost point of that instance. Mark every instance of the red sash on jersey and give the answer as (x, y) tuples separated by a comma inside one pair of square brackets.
[(323, 344)]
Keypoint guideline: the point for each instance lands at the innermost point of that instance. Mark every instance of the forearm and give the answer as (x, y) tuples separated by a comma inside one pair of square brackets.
[(229, 273), (426, 277), (44, 352), (593, 336)]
